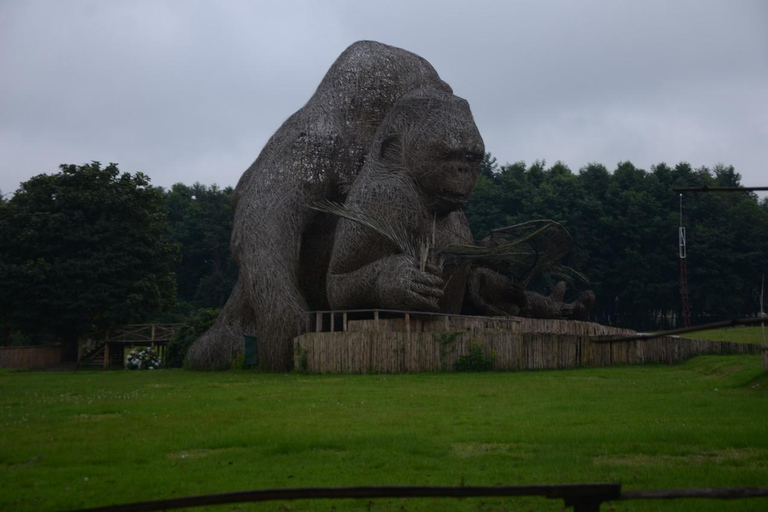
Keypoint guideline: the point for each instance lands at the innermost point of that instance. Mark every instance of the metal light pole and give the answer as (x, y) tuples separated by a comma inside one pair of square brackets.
[(683, 251)]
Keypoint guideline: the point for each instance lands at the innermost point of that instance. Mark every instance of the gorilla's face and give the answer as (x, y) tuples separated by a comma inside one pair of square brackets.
[(431, 136), (444, 155), (448, 176)]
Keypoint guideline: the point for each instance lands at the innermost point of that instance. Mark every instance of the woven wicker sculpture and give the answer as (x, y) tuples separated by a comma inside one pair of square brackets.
[(382, 113), (404, 242), (282, 247)]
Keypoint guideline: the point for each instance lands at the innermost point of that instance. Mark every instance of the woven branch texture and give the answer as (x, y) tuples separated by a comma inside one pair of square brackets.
[(355, 202)]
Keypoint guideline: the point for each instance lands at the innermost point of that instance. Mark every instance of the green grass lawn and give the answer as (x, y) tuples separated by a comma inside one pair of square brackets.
[(76, 439), (735, 334)]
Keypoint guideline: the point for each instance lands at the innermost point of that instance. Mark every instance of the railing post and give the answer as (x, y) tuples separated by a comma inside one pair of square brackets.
[(319, 321), (584, 506), (333, 320), (344, 321)]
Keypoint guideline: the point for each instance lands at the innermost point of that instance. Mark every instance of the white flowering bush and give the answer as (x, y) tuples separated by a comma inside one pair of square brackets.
[(143, 358)]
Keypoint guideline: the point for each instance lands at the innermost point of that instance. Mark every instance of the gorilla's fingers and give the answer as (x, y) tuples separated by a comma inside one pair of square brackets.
[(422, 303), (428, 279), (427, 291)]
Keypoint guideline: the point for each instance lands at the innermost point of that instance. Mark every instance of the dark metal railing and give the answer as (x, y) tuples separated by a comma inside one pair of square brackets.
[(305, 323)]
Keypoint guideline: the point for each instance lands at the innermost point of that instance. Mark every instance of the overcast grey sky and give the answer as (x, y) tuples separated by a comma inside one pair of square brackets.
[(189, 91)]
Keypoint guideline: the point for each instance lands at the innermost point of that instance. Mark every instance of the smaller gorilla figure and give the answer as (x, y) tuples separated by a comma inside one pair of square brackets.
[(491, 293)]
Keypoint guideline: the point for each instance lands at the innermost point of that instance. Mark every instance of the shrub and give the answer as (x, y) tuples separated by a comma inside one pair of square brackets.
[(143, 358), (475, 360), (447, 341), (195, 325)]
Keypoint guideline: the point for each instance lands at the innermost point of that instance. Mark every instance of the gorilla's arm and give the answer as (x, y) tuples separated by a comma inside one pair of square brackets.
[(369, 271)]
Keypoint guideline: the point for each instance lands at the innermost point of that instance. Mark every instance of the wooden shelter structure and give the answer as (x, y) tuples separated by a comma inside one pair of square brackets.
[(109, 350)]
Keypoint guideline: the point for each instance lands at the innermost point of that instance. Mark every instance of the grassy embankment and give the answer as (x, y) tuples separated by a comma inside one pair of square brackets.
[(737, 335), (94, 438)]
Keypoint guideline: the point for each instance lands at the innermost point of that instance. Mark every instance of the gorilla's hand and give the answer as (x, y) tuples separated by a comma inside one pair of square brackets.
[(401, 285)]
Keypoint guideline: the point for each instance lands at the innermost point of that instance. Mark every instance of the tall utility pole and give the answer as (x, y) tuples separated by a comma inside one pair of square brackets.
[(683, 267), (683, 251)]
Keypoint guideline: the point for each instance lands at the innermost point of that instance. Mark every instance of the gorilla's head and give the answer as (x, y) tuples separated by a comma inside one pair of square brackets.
[(431, 136)]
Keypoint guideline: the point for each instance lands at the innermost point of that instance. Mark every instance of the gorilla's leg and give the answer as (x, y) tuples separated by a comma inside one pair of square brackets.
[(223, 342)]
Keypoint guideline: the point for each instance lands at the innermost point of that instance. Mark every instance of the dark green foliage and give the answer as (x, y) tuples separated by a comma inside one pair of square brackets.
[(192, 329), (488, 166), (200, 221), (475, 360), (81, 249), (447, 342), (625, 229)]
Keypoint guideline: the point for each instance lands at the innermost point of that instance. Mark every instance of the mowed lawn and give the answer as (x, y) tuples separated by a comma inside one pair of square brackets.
[(736, 334), (77, 439)]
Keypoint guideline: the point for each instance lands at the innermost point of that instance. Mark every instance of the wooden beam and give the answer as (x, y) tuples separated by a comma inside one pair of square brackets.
[(575, 495), (706, 188), (683, 330)]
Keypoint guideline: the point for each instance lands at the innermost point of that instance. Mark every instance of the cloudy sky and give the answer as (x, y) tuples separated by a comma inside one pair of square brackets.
[(189, 91)]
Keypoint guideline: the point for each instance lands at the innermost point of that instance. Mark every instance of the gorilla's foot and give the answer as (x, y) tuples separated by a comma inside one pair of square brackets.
[(581, 307), (217, 348)]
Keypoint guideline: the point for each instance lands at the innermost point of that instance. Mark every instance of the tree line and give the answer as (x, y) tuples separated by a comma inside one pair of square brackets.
[(625, 228), (91, 247)]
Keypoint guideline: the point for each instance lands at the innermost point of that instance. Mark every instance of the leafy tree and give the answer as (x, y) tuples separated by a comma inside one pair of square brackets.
[(84, 248), (625, 229), (488, 166), (200, 221), (194, 327)]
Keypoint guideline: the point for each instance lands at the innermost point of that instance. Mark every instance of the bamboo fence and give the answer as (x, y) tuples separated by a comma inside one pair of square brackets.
[(407, 345)]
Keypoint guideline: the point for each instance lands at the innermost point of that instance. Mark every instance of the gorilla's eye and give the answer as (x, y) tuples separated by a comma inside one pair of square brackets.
[(464, 156), (472, 157)]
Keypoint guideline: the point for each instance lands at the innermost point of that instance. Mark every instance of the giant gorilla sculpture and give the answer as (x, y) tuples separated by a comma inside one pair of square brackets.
[(415, 176), (282, 247)]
